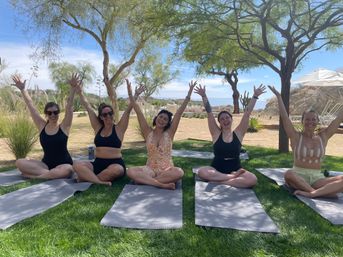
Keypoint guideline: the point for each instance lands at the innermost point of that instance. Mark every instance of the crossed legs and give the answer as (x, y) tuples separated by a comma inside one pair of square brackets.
[(326, 187), (145, 175), (38, 169), (241, 178), (84, 171)]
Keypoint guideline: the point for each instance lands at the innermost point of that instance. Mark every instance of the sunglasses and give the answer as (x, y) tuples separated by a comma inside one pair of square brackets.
[(52, 112), (107, 113)]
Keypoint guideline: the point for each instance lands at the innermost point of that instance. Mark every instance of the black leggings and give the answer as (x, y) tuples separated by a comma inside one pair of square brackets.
[(99, 164)]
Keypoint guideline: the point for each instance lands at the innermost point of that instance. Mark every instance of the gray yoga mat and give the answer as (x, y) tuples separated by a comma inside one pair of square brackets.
[(222, 206), (201, 155), (329, 208), (28, 202), (11, 177), (146, 207)]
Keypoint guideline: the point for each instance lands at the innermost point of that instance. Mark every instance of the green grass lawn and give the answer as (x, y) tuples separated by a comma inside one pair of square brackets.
[(73, 227)]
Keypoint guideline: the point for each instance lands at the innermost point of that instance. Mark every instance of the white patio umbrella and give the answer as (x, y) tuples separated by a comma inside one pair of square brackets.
[(322, 77)]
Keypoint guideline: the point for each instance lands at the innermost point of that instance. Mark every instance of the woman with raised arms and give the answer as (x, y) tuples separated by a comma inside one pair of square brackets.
[(159, 170), (226, 166)]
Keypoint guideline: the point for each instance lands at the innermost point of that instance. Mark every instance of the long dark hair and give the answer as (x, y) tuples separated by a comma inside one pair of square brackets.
[(169, 114), (100, 108)]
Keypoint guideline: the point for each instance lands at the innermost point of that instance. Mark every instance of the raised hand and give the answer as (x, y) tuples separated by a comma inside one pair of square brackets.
[(76, 82), (272, 88), (200, 90), (129, 90), (260, 90), (191, 86), (139, 90), (18, 83)]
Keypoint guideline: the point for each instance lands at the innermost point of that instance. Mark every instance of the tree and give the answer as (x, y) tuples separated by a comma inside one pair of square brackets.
[(111, 24), (287, 31), (153, 72), (216, 53), (61, 72), (205, 36)]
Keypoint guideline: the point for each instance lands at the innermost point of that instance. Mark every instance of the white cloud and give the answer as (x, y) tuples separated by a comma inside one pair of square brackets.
[(18, 60)]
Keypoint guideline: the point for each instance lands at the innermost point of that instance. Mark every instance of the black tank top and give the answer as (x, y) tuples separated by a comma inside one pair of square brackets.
[(110, 141), (54, 146), (223, 150)]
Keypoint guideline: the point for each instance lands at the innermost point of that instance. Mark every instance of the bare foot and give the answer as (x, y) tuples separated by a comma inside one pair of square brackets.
[(106, 183), (170, 186), (304, 193), (238, 173)]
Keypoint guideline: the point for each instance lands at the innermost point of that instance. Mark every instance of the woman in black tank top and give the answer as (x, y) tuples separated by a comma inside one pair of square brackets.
[(56, 162), (226, 166), (108, 138)]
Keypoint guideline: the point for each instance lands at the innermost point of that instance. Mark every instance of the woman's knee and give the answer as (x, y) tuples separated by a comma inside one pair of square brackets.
[(78, 165), (20, 163), (178, 172), (131, 172), (251, 179), (203, 173), (289, 175)]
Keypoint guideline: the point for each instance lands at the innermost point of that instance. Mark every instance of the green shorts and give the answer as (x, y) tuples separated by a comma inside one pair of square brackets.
[(309, 175)]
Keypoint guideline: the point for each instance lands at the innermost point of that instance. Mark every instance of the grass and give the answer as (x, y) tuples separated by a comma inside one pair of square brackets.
[(73, 227)]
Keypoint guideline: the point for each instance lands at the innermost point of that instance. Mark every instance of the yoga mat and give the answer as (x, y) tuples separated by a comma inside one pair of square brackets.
[(28, 202), (330, 209), (222, 206), (201, 155), (146, 207), (11, 177)]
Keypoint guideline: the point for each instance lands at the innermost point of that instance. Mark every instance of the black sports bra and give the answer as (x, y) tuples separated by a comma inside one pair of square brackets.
[(110, 141)]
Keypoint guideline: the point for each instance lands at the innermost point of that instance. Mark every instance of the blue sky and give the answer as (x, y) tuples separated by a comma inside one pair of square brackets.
[(15, 48)]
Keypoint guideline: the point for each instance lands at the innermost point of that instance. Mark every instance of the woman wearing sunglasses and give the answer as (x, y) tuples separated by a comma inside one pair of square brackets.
[(56, 162), (108, 164), (159, 170)]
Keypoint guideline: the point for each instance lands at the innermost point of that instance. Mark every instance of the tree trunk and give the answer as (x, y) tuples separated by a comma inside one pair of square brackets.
[(232, 78), (235, 97), (285, 93)]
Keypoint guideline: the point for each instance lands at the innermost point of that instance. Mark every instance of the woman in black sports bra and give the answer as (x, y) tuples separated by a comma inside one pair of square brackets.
[(226, 166), (108, 164), (56, 162)]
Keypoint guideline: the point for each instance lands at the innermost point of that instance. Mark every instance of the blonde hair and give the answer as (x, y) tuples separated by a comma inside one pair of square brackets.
[(308, 111)]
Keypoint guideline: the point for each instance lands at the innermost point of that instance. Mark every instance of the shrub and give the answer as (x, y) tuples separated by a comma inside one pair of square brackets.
[(21, 135), (254, 125), (2, 126)]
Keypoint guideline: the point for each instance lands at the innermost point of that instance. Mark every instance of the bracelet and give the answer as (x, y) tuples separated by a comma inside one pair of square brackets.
[(188, 97), (255, 97)]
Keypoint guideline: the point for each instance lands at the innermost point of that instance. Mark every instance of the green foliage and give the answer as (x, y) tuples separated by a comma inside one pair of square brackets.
[(21, 135), (153, 71), (2, 124), (254, 125), (122, 104), (60, 73), (10, 101)]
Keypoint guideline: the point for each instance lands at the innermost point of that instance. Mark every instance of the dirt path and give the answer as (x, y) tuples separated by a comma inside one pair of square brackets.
[(82, 135)]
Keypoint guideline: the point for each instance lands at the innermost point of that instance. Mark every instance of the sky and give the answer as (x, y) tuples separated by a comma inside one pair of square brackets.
[(16, 48)]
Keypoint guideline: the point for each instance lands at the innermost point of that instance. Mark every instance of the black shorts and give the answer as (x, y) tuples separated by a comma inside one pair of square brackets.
[(99, 164), (55, 161), (226, 166)]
